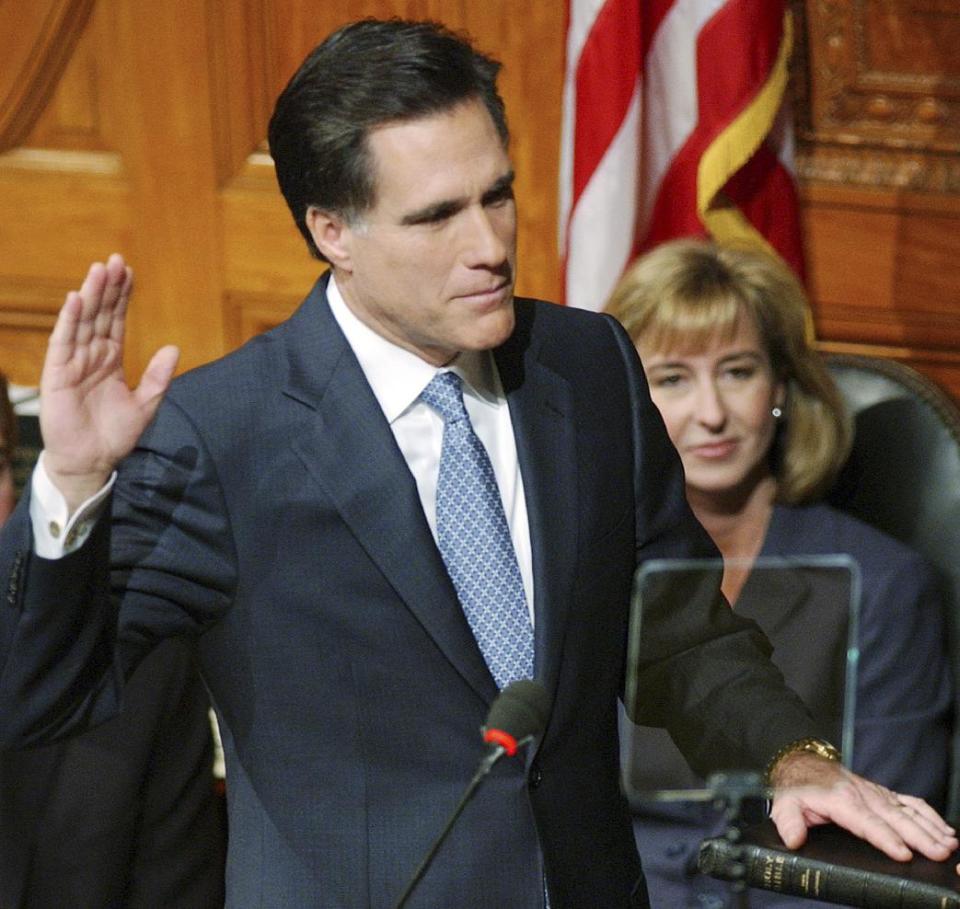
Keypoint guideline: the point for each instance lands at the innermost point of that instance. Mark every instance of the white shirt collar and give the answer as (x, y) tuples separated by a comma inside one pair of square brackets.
[(398, 376)]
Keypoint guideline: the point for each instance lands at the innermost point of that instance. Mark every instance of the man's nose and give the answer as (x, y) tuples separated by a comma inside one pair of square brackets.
[(484, 245)]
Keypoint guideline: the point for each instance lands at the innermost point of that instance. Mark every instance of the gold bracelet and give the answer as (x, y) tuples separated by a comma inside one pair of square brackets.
[(811, 745)]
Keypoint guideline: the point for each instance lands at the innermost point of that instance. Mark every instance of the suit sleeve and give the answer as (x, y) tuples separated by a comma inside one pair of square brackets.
[(702, 672), (159, 563)]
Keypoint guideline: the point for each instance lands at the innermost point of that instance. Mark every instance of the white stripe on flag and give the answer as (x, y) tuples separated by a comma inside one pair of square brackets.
[(670, 93), (599, 231), (601, 227)]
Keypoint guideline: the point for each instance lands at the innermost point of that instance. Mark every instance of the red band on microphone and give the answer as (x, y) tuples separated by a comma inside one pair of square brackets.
[(498, 737)]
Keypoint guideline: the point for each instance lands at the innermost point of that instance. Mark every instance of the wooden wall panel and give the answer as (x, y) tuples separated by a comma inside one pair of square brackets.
[(26, 319), (64, 193), (73, 117), (879, 159), (39, 40), (120, 157), (256, 218), (148, 137), (144, 131), (164, 90), (65, 209), (882, 272)]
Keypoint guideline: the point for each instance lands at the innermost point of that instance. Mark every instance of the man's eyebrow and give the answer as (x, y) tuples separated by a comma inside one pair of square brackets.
[(438, 211), (502, 187), (434, 212)]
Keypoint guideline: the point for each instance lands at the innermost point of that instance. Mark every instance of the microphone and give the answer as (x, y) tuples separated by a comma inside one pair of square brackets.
[(517, 715)]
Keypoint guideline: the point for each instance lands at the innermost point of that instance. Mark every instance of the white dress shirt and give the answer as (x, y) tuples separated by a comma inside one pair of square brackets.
[(397, 377), (56, 532)]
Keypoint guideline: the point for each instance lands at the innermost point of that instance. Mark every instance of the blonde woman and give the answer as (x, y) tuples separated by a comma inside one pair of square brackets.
[(762, 433)]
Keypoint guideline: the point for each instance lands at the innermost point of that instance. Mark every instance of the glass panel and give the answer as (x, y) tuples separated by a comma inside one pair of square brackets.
[(789, 599)]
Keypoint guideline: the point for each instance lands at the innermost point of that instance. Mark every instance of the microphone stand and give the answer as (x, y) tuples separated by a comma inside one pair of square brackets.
[(486, 765), (729, 791), (726, 792), (517, 714)]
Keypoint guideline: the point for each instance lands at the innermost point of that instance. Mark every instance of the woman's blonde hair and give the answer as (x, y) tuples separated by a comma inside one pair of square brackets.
[(685, 293)]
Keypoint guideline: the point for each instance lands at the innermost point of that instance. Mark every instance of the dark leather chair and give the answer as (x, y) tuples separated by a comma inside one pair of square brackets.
[(903, 476)]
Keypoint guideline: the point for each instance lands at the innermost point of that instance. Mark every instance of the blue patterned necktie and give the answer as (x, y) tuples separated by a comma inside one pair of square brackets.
[(475, 541)]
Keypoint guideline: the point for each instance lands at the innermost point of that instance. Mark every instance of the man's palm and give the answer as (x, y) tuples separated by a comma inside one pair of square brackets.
[(90, 419)]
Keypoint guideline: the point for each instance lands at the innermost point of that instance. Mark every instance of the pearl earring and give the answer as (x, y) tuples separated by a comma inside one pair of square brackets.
[(777, 413)]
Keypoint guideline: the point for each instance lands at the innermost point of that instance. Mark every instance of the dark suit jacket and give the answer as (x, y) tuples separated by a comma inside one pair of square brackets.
[(124, 815), (903, 688), (269, 512)]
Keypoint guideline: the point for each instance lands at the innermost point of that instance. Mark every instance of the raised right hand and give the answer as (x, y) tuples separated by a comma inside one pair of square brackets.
[(89, 418)]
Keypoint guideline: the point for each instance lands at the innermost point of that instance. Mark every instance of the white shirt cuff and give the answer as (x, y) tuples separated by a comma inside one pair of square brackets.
[(57, 533)]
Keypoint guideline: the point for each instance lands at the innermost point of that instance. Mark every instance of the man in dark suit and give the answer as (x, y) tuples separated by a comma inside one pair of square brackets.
[(290, 506), (125, 815)]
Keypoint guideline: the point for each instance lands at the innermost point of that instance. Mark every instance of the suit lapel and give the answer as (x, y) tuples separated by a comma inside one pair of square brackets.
[(541, 412), (351, 453), (773, 593)]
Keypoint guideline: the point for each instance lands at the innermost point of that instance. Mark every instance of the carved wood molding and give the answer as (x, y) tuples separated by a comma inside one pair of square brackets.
[(870, 166), (41, 322), (38, 40), (878, 93), (878, 326)]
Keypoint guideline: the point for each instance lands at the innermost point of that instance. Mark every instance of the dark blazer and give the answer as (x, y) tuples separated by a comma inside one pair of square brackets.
[(903, 690), (269, 512), (124, 815)]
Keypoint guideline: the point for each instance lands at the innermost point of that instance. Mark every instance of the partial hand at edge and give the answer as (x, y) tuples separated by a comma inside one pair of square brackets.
[(811, 790), (89, 418)]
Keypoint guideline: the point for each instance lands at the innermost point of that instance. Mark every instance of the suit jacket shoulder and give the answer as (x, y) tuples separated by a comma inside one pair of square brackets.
[(903, 683), (821, 529)]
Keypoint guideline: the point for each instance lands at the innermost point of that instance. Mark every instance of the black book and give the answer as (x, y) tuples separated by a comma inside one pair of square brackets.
[(833, 866)]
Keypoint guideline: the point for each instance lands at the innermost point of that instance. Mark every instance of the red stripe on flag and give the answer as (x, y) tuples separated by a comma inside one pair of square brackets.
[(736, 51), (606, 76), (766, 192), (674, 211), (653, 13)]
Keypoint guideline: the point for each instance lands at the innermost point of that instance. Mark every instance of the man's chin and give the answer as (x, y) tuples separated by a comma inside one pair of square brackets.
[(478, 333), (494, 329)]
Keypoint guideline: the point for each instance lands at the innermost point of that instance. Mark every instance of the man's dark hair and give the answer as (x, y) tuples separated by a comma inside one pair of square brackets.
[(364, 75)]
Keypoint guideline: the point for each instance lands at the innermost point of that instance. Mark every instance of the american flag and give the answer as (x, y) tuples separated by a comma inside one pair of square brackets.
[(675, 124)]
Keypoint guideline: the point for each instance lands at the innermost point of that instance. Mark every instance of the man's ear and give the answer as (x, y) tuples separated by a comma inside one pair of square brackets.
[(332, 235)]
